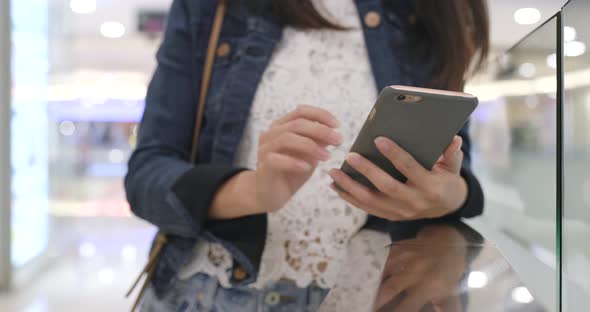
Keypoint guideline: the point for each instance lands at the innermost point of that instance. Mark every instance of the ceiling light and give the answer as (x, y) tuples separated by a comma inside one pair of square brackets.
[(477, 279), (83, 6), (569, 33), (527, 70), (552, 60), (106, 276), (527, 16), (575, 48), (112, 29), (87, 250), (67, 128), (522, 295)]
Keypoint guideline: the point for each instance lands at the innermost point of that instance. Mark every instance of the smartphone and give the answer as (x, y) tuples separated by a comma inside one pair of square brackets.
[(421, 121)]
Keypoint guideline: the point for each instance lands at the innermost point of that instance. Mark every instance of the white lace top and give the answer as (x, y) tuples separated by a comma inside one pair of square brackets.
[(307, 239)]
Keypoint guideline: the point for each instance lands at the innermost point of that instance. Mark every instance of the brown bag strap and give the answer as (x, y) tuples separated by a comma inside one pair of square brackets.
[(161, 238), (206, 79)]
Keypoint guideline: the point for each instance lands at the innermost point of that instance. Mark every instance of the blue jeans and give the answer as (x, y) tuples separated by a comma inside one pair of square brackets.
[(203, 293)]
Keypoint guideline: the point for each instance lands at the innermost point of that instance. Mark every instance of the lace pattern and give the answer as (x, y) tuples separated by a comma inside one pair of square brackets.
[(307, 239)]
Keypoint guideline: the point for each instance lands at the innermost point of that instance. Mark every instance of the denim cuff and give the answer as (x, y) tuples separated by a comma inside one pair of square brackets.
[(244, 237), (197, 188)]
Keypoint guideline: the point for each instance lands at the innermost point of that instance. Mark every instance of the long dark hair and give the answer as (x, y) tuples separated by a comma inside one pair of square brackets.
[(455, 32)]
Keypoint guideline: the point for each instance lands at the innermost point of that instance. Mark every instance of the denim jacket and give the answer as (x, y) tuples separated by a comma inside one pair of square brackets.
[(165, 189)]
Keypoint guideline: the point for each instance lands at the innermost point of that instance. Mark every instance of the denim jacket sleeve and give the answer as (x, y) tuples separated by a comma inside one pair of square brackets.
[(164, 137), (162, 186)]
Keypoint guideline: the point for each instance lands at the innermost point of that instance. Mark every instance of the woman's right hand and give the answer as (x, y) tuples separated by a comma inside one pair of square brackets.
[(289, 151)]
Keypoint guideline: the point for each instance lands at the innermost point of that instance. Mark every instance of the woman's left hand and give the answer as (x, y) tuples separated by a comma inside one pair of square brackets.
[(425, 195)]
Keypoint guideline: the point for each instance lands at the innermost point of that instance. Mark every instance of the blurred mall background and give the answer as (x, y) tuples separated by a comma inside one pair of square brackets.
[(80, 69)]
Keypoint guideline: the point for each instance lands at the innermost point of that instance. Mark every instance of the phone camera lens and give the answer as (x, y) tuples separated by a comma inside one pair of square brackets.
[(401, 97)]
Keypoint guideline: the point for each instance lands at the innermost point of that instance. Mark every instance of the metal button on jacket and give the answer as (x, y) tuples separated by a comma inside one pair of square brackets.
[(223, 49), (240, 274), (372, 19), (272, 298)]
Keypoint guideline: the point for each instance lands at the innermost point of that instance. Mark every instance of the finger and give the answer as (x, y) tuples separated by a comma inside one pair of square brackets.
[(364, 198), (385, 301), (392, 287), (398, 263), (359, 192), (449, 304), (381, 179), (311, 113), (349, 199), (287, 163), (438, 308), (318, 132), (403, 161), (414, 301), (355, 202), (453, 147), (452, 158), (296, 145)]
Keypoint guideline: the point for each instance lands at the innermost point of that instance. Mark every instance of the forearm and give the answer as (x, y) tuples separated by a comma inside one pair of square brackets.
[(236, 198)]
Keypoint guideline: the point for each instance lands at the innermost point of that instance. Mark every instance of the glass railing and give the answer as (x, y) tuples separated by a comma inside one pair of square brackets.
[(576, 158), (531, 137), (515, 152)]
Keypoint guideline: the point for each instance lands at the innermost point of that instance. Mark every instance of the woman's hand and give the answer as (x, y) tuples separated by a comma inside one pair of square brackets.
[(426, 194), (288, 154)]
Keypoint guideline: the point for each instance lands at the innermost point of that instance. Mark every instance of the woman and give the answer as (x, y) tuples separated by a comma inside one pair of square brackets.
[(254, 225)]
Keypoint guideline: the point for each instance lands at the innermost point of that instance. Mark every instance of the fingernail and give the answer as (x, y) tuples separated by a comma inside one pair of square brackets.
[(335, 138), (336, 123), (383, 144), (331, 172), (459, 146), (303, 165), (323, 154), (353, 159)]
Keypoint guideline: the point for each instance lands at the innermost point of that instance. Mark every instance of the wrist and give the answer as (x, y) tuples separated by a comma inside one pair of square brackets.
[(463, 193), (236, 198), (249, 191), (460, 195)]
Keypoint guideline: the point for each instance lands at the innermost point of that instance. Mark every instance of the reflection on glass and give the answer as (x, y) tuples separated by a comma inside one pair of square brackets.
[(449, 267), (431, 266), (425, 273), (514, 132), (576, 223)]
